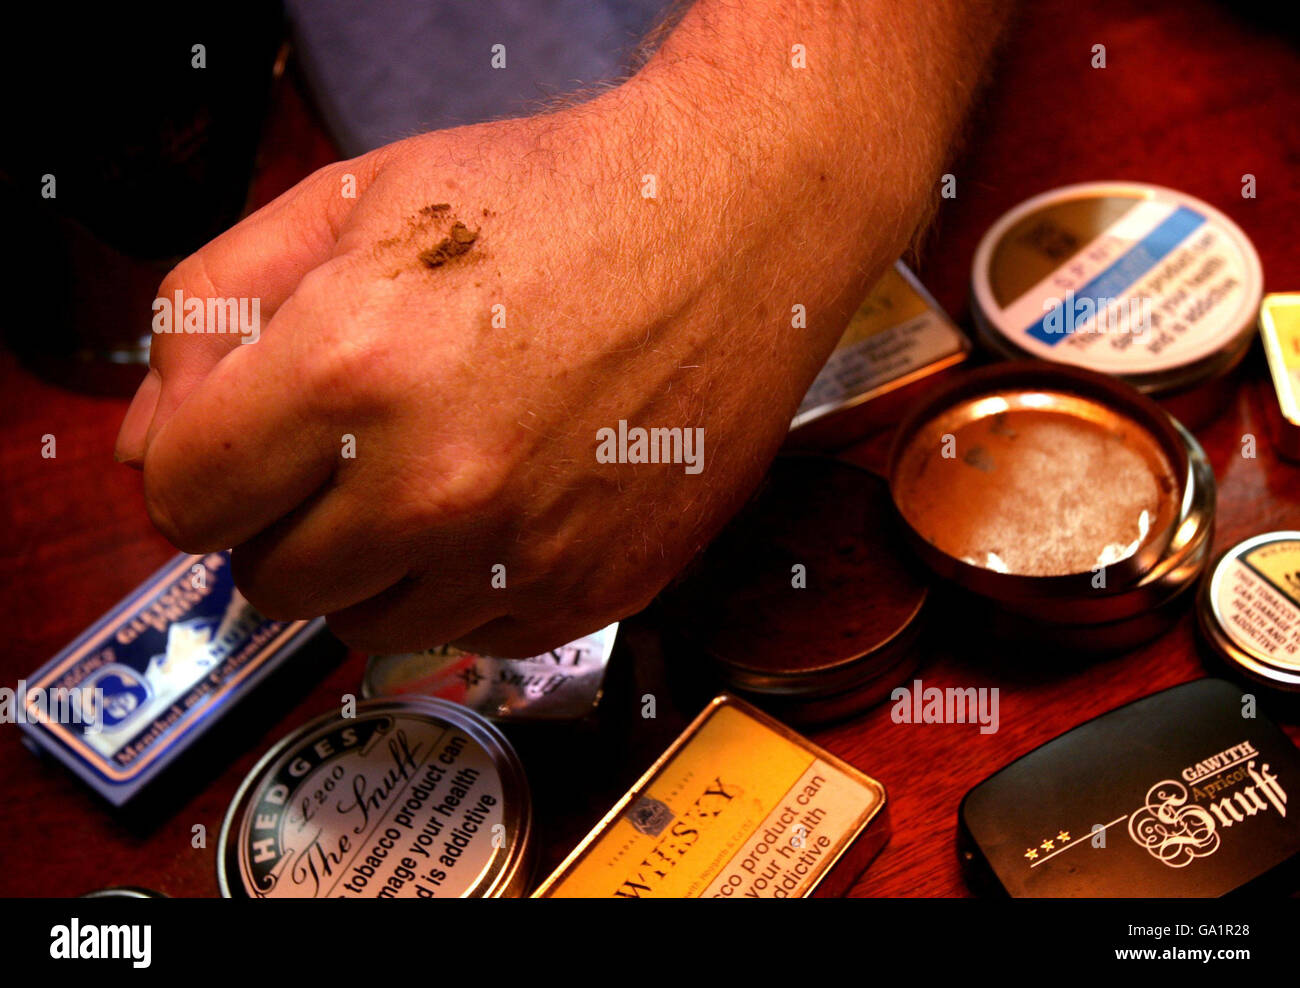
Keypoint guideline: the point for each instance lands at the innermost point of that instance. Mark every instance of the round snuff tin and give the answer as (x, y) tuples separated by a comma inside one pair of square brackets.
[(1249, 610), (1064, 498), (1134, 280), (410, 798), (809, 603), (1022, 480)]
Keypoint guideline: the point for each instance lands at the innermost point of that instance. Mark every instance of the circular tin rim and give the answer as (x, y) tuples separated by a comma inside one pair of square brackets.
[(507, 880), (824, 707), (1164, 385), (1041, 375), (1206, 362), (833, 678), (1250, 662), (123, 892), (841, 675)]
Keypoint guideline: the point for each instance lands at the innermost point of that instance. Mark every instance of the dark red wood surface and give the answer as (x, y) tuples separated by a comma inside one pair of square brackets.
[(1195, 95)]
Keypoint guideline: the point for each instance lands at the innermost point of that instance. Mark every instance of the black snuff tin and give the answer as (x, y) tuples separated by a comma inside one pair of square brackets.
[(1179, 794)]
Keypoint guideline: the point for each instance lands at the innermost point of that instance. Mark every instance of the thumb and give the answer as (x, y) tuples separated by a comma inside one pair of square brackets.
[(248, 271)]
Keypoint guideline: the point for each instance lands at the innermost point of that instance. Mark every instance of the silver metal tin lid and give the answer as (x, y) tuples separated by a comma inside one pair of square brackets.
[(564, 684), (409, 798), (123, 892), (1249, 609), (1068, 275)]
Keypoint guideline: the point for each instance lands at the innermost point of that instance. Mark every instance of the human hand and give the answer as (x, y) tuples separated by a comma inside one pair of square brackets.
[(413, 446), (492, 299)]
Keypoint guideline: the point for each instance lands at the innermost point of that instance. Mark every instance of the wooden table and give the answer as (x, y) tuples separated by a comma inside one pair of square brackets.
[(1195, 95)]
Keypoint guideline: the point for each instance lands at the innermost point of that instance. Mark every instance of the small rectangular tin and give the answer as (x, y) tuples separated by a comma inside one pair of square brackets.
[(898, 336), (739, 806), (172, 658), (1279, 328), (1183, 793), (563, 684)]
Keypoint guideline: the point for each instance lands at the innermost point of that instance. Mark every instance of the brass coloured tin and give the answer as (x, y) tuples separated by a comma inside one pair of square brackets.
[(991, 390), (846, 636), (1138, 600), (744, 807), (1279, 329)]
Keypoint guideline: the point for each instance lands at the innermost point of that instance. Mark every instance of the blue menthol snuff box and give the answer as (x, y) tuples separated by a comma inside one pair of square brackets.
[(150, 677)]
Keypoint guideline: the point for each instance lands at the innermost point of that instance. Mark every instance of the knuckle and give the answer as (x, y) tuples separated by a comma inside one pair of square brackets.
[(470, 494), (343, 374), (541, 556), (343, 369), (480, 491), (326, 179), (190, 277)]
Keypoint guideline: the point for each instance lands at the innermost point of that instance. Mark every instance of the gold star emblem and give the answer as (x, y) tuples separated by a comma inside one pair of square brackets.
[(1063, 836), (1047, 845), (1032, 853)]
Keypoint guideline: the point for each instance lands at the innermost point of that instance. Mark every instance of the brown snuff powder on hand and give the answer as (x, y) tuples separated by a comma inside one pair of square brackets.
[(416, 224), (457, 242)]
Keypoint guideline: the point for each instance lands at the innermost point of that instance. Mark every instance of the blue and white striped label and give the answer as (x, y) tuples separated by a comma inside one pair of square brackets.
[(1163, 286), (1114, 281)]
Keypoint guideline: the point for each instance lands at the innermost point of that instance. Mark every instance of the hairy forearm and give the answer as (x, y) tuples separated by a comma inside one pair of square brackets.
[(868, 118), (814, 165), (635, 259)]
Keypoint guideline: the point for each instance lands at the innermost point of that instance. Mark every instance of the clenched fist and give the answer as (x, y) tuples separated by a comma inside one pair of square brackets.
[(417, 443)]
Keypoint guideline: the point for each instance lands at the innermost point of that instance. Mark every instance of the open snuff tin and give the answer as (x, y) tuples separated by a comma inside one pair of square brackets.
[(1063, 495), (409, 798), (562, 684)]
